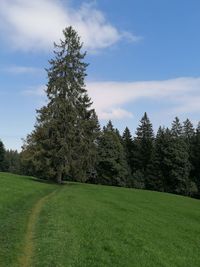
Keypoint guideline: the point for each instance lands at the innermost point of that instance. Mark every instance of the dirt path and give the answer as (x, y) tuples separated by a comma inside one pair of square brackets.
[(26, 258)]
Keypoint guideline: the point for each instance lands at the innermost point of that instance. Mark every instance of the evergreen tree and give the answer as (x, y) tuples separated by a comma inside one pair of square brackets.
[(109, 127), (3, 163), (128, 146), (189, 137), (96, 130), (119, 135), (176, 129), (143, 146), (188, 130), (63, 141), (157, 170), (178, 179), (171, 166), (13, 161), (112, 167), (195, 174)]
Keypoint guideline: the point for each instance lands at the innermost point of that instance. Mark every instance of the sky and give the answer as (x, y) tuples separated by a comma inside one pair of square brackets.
[(144, 55)]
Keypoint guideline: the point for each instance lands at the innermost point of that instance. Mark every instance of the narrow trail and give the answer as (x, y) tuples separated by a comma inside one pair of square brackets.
[(26, 259)]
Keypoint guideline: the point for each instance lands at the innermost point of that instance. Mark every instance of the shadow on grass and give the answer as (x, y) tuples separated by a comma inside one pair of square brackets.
[(64, 183), (40, 180)]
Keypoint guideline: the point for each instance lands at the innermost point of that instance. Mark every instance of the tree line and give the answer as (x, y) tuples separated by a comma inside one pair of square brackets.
[(10, 160), (67, 142)]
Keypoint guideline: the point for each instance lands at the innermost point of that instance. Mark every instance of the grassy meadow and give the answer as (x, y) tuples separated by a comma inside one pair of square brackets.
[(82, 225)]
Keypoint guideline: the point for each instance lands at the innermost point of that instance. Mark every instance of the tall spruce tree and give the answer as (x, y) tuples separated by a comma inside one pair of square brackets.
[(128, 146), (178, 179), (189, 137), (119, 135), (177, 128), (63, 141), (158, 170), (112, 167), (143, 146), (171, 167), (188, 130)]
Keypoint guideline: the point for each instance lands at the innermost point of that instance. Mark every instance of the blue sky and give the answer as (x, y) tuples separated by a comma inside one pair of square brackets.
[(143, 54)]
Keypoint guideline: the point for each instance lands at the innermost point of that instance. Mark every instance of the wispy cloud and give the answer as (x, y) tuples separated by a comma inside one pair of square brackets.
[(111, 98), (21, 70), (35, 91), (31, 25), (177, 92), (115, 114)]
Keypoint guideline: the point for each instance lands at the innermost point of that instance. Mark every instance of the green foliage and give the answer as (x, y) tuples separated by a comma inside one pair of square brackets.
[(171, 167), (63, 142), (13, 161), (178, 179), (112, 168), (128, 146), (138, 180), (195, 158), (3, 163), (143, 146), (188, 130), (177, 128), (158, 169), (169, 162)]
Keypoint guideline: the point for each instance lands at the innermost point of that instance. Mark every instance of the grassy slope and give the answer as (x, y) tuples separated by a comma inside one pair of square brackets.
[(87, 225), (18, 194)]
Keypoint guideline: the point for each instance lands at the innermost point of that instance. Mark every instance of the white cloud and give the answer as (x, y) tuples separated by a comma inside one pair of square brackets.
[(110, 98), (31, 25), (115, 113), (20, 70), (35, 91), (189, 103), (113, 95)]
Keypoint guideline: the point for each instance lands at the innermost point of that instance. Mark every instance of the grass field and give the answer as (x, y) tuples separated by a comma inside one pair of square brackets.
[(80, 225)]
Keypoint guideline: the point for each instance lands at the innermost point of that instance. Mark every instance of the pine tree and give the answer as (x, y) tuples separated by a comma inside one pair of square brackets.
[(112, 167), (63, 141), (143, 146)]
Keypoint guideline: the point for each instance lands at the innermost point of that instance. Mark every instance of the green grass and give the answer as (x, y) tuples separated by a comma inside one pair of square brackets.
[(18, 194), (87, 225)]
